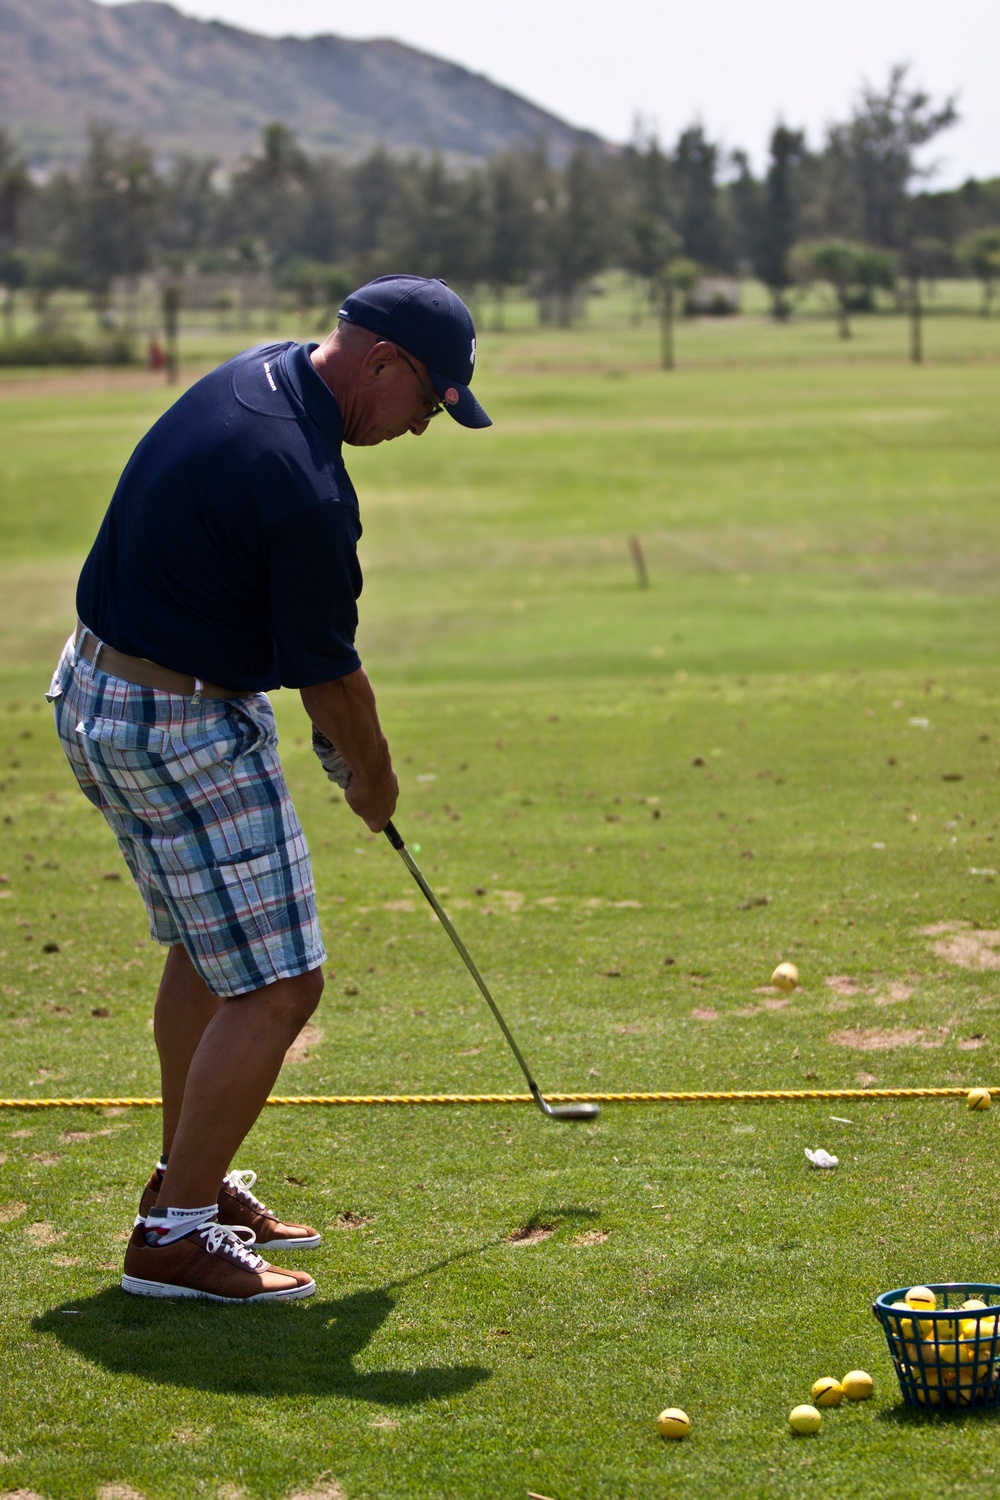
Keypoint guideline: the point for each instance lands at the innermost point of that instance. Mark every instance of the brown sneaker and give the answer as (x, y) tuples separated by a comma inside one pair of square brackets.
[(213, 1262), (238, 1206)]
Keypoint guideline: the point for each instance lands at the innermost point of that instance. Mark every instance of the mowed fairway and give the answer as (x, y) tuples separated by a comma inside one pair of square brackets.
[(634, 803)]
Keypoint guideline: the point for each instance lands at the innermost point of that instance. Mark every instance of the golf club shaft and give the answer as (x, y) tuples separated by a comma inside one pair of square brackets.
[(396, 840)]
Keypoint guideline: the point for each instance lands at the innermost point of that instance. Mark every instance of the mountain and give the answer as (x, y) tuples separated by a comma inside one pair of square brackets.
[(207, 88)]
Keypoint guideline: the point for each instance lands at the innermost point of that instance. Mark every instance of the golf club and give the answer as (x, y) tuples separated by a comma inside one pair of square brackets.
[(554, 1111)]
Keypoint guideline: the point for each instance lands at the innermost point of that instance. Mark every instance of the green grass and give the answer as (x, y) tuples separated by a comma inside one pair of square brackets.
[(661, 793)]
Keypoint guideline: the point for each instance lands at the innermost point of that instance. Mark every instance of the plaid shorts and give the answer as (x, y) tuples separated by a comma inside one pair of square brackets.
[(195, 795)]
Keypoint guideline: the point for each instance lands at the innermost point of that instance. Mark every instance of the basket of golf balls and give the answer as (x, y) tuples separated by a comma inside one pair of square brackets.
[(945, 1342)]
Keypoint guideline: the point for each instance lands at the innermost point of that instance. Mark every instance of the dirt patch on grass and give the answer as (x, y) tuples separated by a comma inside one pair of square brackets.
[(863, 1040), (965, 946), (895, 992), (531, 1233), (845, 985), (771, 1004), (119, 1492), (44, 1234), (841, 984), (774, 1003), (972, 1043), (633, 1028), (704, 1013), (20, 1495), (12, 1210), (508, 901), (349, 1220), (323, 1489), (591, 1237), (301, 1049)]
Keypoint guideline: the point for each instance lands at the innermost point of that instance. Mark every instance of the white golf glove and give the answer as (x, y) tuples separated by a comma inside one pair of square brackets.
[(330, 759), (821, 1158)]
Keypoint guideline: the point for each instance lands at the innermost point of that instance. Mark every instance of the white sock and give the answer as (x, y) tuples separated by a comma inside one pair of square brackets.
[(164, 1225)]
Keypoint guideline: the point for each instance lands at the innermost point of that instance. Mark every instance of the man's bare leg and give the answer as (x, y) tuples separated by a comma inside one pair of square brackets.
[(184, 1007), (230, 1074)]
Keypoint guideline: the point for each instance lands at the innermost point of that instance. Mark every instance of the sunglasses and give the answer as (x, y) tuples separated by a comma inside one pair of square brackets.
[(431, 397)]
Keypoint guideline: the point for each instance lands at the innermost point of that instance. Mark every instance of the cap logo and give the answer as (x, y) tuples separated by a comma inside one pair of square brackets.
[(451, 395), (472, 356)]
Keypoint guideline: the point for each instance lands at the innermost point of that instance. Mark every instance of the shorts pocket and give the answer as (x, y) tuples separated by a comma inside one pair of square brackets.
[(251, 889), (245, 856), (123, 735), (135, 746)]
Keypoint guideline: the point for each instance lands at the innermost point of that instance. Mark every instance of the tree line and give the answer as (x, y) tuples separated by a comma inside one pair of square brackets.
[(852, 212)]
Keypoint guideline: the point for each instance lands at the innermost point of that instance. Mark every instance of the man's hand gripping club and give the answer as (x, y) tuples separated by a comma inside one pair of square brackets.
[(352, 749)]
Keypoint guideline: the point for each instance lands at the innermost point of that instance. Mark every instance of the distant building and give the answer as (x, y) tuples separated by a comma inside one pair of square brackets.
[(719, 296)]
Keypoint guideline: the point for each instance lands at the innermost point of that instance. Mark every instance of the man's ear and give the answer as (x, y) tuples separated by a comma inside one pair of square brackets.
[(377, 361)]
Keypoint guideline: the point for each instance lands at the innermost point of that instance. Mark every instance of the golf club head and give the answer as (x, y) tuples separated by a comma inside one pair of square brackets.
[(572, 1111)]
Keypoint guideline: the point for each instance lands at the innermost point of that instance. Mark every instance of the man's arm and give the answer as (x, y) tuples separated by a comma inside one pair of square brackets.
[(344, 710)]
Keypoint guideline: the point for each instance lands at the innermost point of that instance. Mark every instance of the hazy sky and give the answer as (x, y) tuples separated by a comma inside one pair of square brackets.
[(735, 65)]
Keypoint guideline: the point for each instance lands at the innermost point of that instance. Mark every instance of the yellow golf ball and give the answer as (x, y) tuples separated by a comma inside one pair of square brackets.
[(921, 1298), (979, 1327), (905, 1325), (673, 1423), (785, 977), (858, 1385), (979, 1099), (983, 1328), (803, 1419), (827, 1391)]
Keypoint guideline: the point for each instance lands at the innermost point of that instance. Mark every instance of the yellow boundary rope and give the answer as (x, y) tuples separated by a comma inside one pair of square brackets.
[(733, 1096)]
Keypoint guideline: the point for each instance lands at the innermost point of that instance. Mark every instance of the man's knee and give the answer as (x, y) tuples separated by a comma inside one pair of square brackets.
[(302, 996)]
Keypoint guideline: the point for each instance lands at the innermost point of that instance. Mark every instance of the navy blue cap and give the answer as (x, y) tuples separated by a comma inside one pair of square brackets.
[(428, 320)]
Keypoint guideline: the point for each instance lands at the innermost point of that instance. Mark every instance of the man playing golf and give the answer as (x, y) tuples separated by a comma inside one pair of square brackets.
[(226, 566)]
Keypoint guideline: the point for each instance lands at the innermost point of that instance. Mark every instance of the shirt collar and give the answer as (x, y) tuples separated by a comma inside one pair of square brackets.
[(311, 390)]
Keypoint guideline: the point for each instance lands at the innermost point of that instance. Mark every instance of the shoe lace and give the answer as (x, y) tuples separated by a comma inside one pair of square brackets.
[(241, 1182), (231, 1237)]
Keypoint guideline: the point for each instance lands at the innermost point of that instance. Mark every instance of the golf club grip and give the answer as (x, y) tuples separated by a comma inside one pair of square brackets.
[(399, 845)]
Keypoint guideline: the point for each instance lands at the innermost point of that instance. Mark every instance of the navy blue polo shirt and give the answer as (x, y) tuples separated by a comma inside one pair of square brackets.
[(229, 550)]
